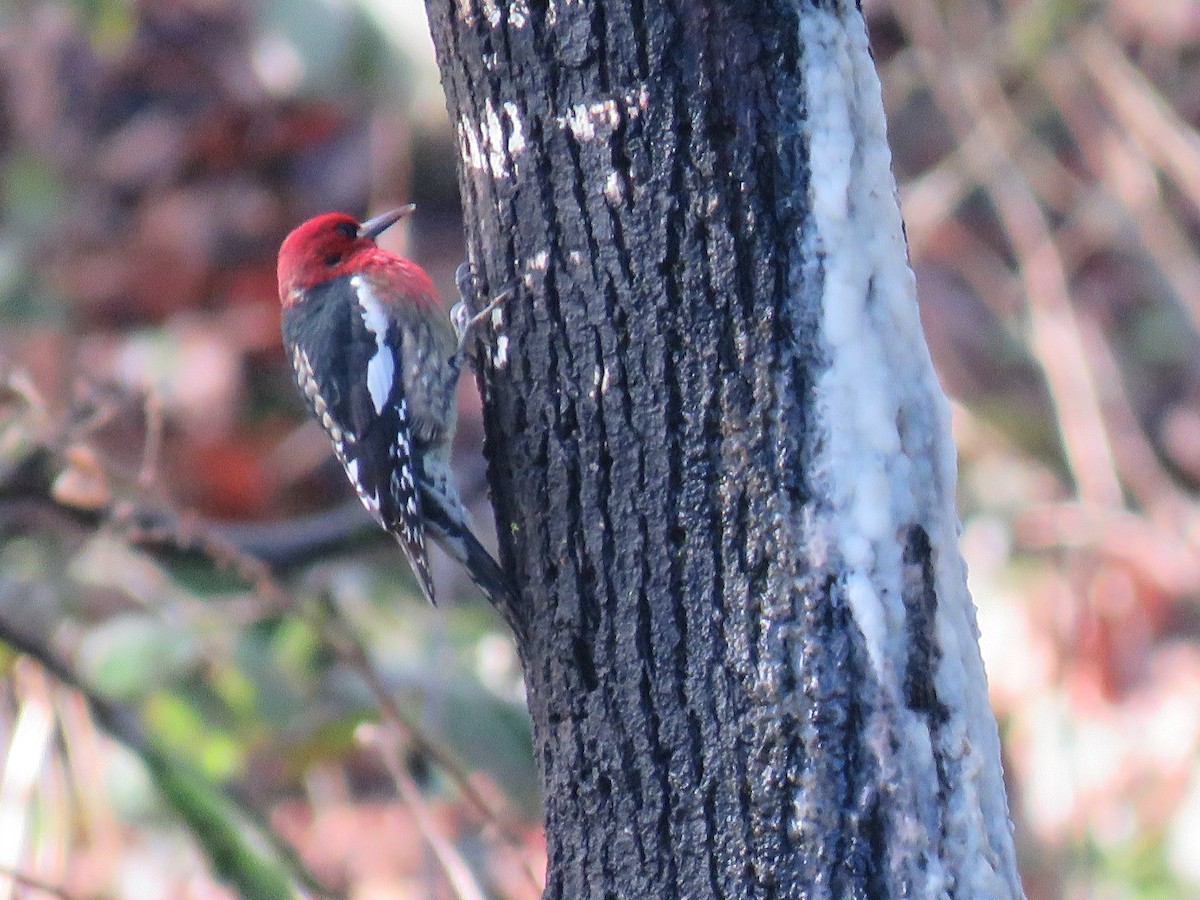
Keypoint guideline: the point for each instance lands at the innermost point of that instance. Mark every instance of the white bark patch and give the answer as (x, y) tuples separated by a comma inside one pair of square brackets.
[(539, 262), (579, 120), (486, 148), (500, 353), (516, 134), (469, 145), (614, 188), (518, 14), (493, 140), (888, 464), (492, 13), (381, 368), (586, 120), (642, 101)]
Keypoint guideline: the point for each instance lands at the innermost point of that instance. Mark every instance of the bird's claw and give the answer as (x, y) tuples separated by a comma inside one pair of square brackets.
[(464, 280), (460, 318), (462, 315)]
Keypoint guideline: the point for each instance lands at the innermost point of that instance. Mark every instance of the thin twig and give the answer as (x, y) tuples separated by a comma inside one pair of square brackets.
[(152, 446), (352, 651), (972, 106), (163, 527), (123, 725), (1174, 145), (1123, 172), (35, 884), (196, 537), (455, 868), (1158, 555)]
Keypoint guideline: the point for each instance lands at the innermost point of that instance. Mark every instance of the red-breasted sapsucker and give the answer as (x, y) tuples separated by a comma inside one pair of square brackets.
[(377, 360)]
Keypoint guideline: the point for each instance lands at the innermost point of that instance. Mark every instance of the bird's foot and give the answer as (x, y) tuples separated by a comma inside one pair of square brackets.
[(462, 315)]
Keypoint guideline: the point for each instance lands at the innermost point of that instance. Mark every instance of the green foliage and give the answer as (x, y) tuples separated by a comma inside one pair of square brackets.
[(210, 818), (131, 656)]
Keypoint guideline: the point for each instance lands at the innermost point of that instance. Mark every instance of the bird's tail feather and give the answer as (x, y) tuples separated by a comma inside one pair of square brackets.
[(448, 526), (486, 572), (418, 560)]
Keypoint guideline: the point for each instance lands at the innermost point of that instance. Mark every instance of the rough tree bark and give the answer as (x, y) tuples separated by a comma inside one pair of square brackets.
[(719, 457)]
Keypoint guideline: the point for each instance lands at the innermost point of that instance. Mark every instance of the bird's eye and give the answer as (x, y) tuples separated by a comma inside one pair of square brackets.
[(346, 229), (333, 259)]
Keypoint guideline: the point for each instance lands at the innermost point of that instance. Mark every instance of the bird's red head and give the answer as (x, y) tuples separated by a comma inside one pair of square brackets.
[(330, 246)]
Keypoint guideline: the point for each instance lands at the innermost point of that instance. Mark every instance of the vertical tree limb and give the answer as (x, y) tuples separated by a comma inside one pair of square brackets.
[(719, 456)]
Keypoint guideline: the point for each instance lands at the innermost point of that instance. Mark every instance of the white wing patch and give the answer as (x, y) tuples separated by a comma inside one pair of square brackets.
[(381, 369), (370, 501)]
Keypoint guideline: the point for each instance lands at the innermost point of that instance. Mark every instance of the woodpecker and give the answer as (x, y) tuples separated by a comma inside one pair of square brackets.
[(378, 360)]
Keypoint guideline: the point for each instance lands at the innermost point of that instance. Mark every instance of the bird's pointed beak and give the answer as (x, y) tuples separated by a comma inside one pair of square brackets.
[(372, 228)]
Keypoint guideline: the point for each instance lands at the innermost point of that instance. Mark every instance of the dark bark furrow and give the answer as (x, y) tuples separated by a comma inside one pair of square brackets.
[(701, 701), (668, 165), (718, 254)]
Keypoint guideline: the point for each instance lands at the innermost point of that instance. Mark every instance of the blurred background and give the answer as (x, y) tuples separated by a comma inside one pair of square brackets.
[(232, 660)]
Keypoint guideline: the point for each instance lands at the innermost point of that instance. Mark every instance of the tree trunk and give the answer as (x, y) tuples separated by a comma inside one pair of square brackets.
[(719, 456)]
